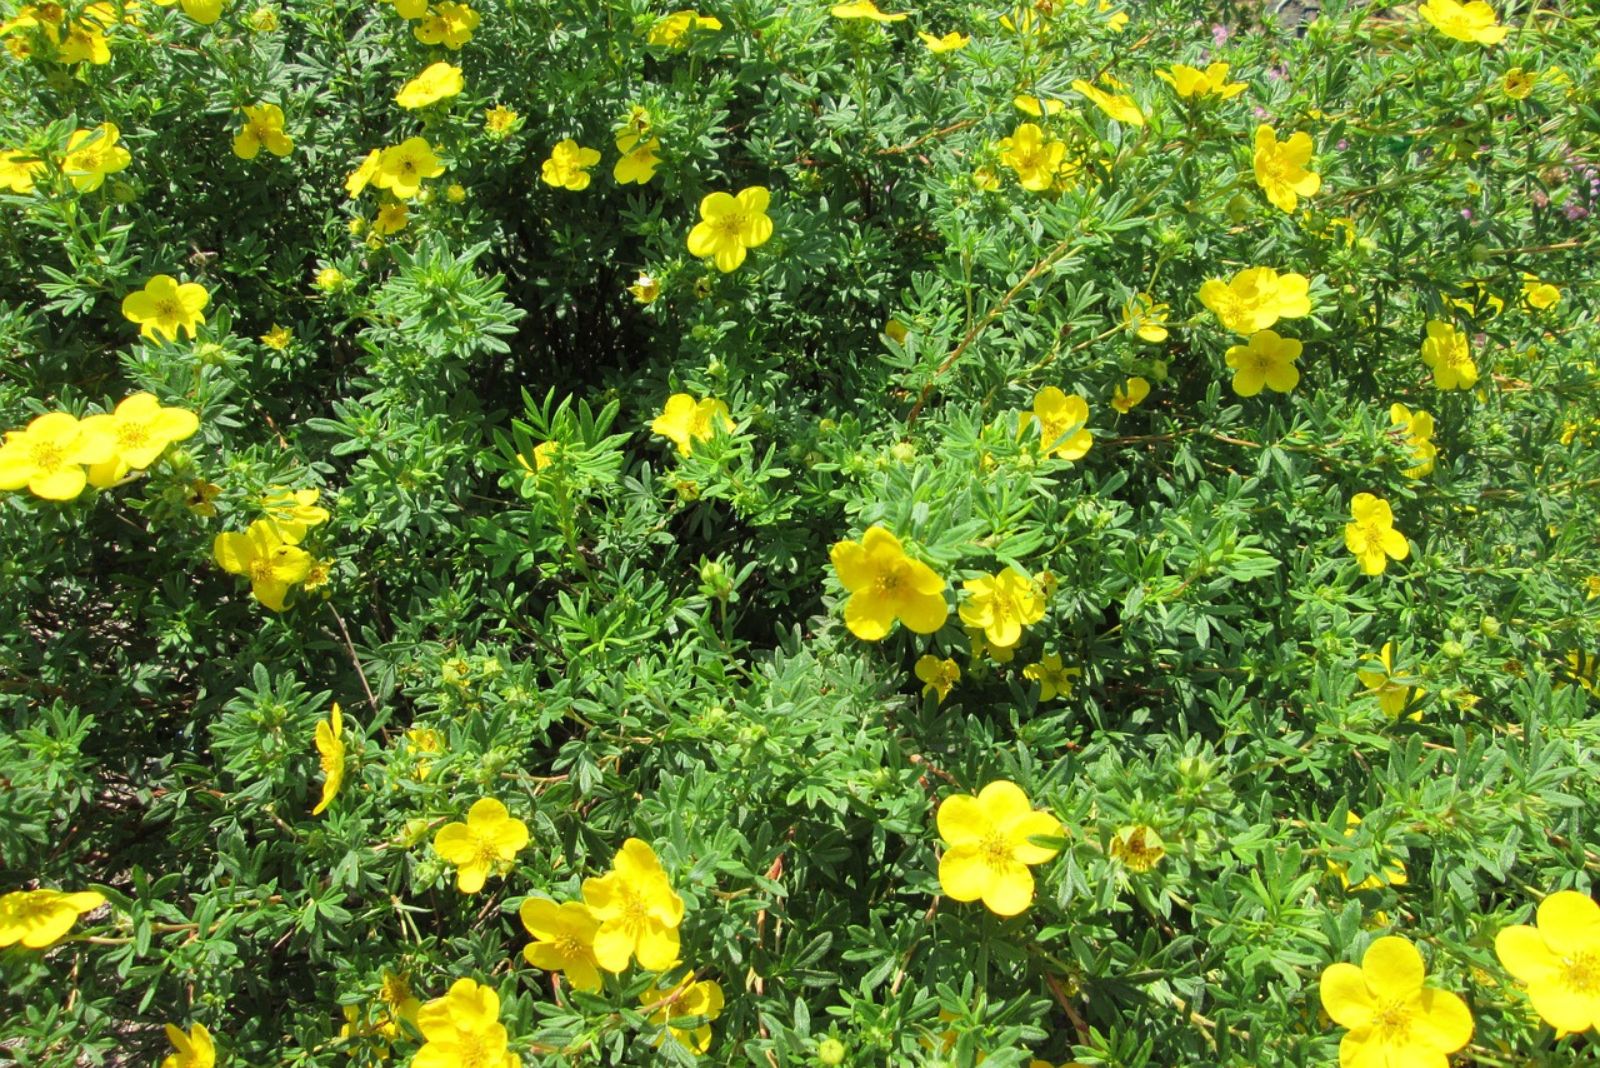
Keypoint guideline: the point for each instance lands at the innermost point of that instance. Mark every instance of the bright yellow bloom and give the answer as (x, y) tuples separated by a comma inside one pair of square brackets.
[(463, 1030), (17, 170), (330, 754), (1119, 107), (293, 512), (1054, 680), (490, 838), (937, 676), (205, 12), (863, 9), (672, 31), (1037, 106), (1265, 360), (1035, 158), (950, 42), (263, 128), (544, 454), (363, 175), (1445, 350), (638, 911), (84, 44), (686, 1010), (1256, 298), (49, 455), (438, 82), (1189, 81), (194, 1050), (1417, 432), (568, 165), (1371, 535), (142, 429), (271, 563), (1538, 295), (1002, 604), (1518, 84), (646, 288), (1000, 654), (410, 9), (1474, 22), (685, 420), (1062, 419), (1145, 319), (1559, 961), (1130, 394), (1281, 168), (278, 338), (499, 121), (729, 225), (403, 167), (392, 217), (1393, 873), (1138, 848), (563, 940), (1592, 587), (1394, 692), (451, 25), (639, 160), (885, 585), (40, 918), (93, 154), (989, 851), (1393, 1019), (165, 308)]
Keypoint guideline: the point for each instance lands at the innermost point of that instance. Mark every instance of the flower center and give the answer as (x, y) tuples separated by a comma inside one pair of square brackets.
[(133, 435), (571, 946), (1392, 1021), (1583, 972), (730, 225), (47, 456), (995, 849), (168, 309), (1261, 363), (261, 569), (887, 582)]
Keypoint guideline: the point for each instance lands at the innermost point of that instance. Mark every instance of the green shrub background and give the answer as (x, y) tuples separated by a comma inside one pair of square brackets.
[(634, 643)]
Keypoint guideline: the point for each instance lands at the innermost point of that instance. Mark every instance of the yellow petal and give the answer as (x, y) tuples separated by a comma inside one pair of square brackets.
[(1345, 995), (1393, 968)]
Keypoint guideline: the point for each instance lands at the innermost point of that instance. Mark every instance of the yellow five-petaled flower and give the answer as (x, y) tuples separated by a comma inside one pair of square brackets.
[(166, 308), (731, 225), (490, 837), (40, 918), (262, 554), (1371, 534), (1393, 1019), (1280, 168), (989, 847), (330, 753), (885, 585), (638, 911), (1559, 960), (263, 128)]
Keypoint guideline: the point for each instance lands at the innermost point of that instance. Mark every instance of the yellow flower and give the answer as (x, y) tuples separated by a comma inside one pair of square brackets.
[(205, 12), (363, 175), (1592, 587), (568, 165), (40, 918), (1138, 848), (93, 154), (164, 308), (264, 19), (451, 25), (1518, 84), (1037, 106), (1539, 295), (403, 167), (686, 1010), (1281, 168), (937, 676), (1393, 1019), (1053, 679), (491, 837), (1130, 394), (950, 42), (410, 9), (319, 574), (438, 82), (1473, 22), (989, 851), (392, 217), (1393, 873), (885, 584), (142, 429), (1256, 298), (863, 9), (17, 170), (646, 288), (278, 338), (639, 160), (1002, 604), (330, 753), (1371, 535), (729, 225), (84, 44), (463, 1028), (638, 912), (330, 279), (395, 993), (263, 128), (1265, 360), (1062, 420), (48, 456), (1417, 431), (1559, 961), (1119, 107), (685, 420), (1145, 319), (1000, 654), (544, 454), (1035, 159), (194, 1050), (293, 512), (563, 940), (1189, 81), (672, 31), (1445, 350), (271, 563), (499, 121)]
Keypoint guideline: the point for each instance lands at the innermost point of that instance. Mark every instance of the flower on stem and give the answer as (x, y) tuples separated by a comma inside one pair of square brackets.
[(1054, 680), (48, 456), (638, 911), (437, 82), (1002, 604), (1558, 961), (1371, 534), (142, 428), (686, 1011), (729, 225), (1392, 1018), (938, 676), (1280, 168), (563, 940), (989, 848), (165, 308), (1265, 360), (684, 420), (463, 1028), (885, 585), (1061, 418), (192, 1050), (1256, 298), (38, 919), (1445, 351), (263, 128), (330, 754), (262, 554), (490, 838)]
